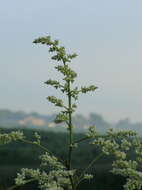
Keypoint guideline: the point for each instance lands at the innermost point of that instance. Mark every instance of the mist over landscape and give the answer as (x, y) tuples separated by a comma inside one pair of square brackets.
[(106, 35), (34, 120)]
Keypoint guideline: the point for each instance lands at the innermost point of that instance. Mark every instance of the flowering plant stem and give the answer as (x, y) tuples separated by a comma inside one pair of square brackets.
[(89, 166), (15, 186), (70, 128), (70, 134)]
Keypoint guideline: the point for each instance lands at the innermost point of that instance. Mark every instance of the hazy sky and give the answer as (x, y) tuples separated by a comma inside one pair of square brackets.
[(107, 35)]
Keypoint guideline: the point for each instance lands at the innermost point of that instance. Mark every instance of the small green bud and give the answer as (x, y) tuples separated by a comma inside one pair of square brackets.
[(55, 101), (61, 117), (88, 176), (88, 89)]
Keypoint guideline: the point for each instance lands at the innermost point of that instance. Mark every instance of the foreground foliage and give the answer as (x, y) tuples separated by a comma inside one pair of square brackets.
[(57, 173)]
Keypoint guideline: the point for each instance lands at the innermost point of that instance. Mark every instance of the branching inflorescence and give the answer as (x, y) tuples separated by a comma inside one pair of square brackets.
[(115, 143)]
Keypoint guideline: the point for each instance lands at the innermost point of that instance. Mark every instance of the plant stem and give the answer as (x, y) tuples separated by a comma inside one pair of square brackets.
[(15, 186), (70, 135), (42, 147), (87, 138), (70, 127), (89, 166), (81, 140)]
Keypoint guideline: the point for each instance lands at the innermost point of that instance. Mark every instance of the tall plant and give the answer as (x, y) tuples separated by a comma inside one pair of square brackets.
[(61, 174), (66, 87)]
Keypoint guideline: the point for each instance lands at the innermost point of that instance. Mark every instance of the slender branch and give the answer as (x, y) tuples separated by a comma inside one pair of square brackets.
[(89, 166), (93, 161), (69, 127), (72, 182), (81, 140), (42, 147), (15, 186), (70, 135), (87, 138)]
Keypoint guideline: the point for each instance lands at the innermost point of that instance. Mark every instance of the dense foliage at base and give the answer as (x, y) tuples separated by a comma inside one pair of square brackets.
[(15, 156)]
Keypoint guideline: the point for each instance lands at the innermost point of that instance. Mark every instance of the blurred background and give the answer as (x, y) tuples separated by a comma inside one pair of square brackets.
[(106, 35)]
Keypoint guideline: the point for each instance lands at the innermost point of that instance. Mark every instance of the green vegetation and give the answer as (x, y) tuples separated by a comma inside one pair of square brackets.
[(62, 172), (18, 155)]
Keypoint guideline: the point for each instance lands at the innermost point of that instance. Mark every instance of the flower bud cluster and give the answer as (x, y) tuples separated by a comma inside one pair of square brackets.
[(92, 132), (61, 117), (54, 180), (88, 89), (134, 177), (38, 138), (75, 92), (125, 145), (60, 52), (88, 176), (137, 146), (57, 102), (133, 184), (69, 74), (13, 136), (27, 173), (52, 161), (121, 133), (54, 83), (121, 164), (108, 146), (118, 143)]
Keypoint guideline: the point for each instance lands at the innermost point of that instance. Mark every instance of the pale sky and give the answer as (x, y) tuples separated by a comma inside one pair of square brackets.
[(107, 36)]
